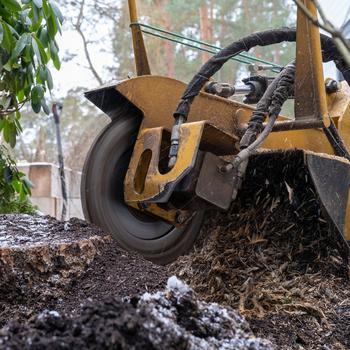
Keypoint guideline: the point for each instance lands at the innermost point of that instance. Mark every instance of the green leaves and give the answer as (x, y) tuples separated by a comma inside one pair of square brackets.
[(44, 37), (20, 45), (10, 133), (37, 95), (14, 186), (38, 3), (8, 41), (44, 76), (57, 12), (54, 55), (49, 80), (52, 26), (39, 50), (1, 33), (27, 44), (11, 5)]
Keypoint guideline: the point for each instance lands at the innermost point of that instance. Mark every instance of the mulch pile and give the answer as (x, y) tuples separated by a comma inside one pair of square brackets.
[(276, 259), (172, 320)]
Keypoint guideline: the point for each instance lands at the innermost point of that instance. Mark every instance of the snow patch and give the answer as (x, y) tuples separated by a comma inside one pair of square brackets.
[(175, 284), (48, 313)]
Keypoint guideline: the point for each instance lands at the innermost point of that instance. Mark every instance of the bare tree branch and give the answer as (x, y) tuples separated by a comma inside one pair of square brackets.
[(77, 25), (12, 109), (340, 41), (336, 32), (108, 10)]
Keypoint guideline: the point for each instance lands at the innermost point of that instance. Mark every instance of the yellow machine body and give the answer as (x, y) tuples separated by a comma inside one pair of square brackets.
[(216, 124), (157, 96)]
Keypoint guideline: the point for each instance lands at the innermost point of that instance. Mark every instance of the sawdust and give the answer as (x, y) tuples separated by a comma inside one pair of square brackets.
[(275, 257)]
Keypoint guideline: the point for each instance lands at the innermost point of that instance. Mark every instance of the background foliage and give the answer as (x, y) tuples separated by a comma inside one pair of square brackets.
[(215, 21), (12, 182)]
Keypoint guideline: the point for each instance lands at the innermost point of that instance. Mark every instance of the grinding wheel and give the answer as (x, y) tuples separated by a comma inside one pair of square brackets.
[(102, 193)]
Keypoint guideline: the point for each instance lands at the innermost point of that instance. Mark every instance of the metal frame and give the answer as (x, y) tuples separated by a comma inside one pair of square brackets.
[(308, 64), (202, 45), (157, 97), (141, 59)]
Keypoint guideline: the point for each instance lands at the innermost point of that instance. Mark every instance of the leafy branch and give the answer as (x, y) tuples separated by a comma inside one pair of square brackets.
[(27, 45), (14, 187)]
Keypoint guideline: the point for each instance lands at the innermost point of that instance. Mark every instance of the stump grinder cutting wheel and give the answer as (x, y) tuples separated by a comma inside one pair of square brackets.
[(103, 198), (152, 173)]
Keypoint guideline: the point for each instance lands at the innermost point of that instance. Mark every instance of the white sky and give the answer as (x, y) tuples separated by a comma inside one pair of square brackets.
[(336, 10), (75, 73)]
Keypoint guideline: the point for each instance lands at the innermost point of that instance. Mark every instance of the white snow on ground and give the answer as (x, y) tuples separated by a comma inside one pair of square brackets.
[(42, 316), (177, 312), (175, 284), (31, 230)]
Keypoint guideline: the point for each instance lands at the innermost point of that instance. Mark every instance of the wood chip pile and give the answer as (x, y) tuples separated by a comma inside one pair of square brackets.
[(275, 257)]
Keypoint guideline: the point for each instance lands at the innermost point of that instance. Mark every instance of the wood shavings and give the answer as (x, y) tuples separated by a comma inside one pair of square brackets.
[(275, 250)]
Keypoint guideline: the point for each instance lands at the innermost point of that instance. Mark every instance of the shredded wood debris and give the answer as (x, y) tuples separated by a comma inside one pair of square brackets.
[(273, 254)]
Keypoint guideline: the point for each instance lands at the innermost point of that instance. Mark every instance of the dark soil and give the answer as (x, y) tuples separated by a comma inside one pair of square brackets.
[(113, 272), (171, 320), (116, 273), (274, 256)]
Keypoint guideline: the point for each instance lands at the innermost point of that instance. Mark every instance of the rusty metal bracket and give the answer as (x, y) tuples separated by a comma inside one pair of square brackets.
[(146, 182)]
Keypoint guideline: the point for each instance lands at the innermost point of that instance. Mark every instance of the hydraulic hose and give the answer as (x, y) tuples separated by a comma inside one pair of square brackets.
[(273, 99), (264, 38)]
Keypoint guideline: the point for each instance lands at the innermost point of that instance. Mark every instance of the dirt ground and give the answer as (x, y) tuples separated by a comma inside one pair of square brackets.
[(173, 319), (117, 302), (274, 256), (116, 273), (112, 272)]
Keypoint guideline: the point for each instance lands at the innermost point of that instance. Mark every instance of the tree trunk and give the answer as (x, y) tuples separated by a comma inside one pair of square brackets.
[(165, 50), (206, 29), (40, 146), (276, 56), (247, 16), (168, 47)]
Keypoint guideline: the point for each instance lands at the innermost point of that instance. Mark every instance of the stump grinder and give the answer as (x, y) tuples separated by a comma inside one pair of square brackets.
[(172, 150)]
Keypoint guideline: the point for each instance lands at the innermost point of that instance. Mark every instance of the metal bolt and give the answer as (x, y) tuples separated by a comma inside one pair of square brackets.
[(180, 218), (332, 86)]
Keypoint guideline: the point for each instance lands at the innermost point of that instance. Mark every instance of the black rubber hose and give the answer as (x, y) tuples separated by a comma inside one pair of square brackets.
[(281, 86), (264, 38), (273, 99)]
